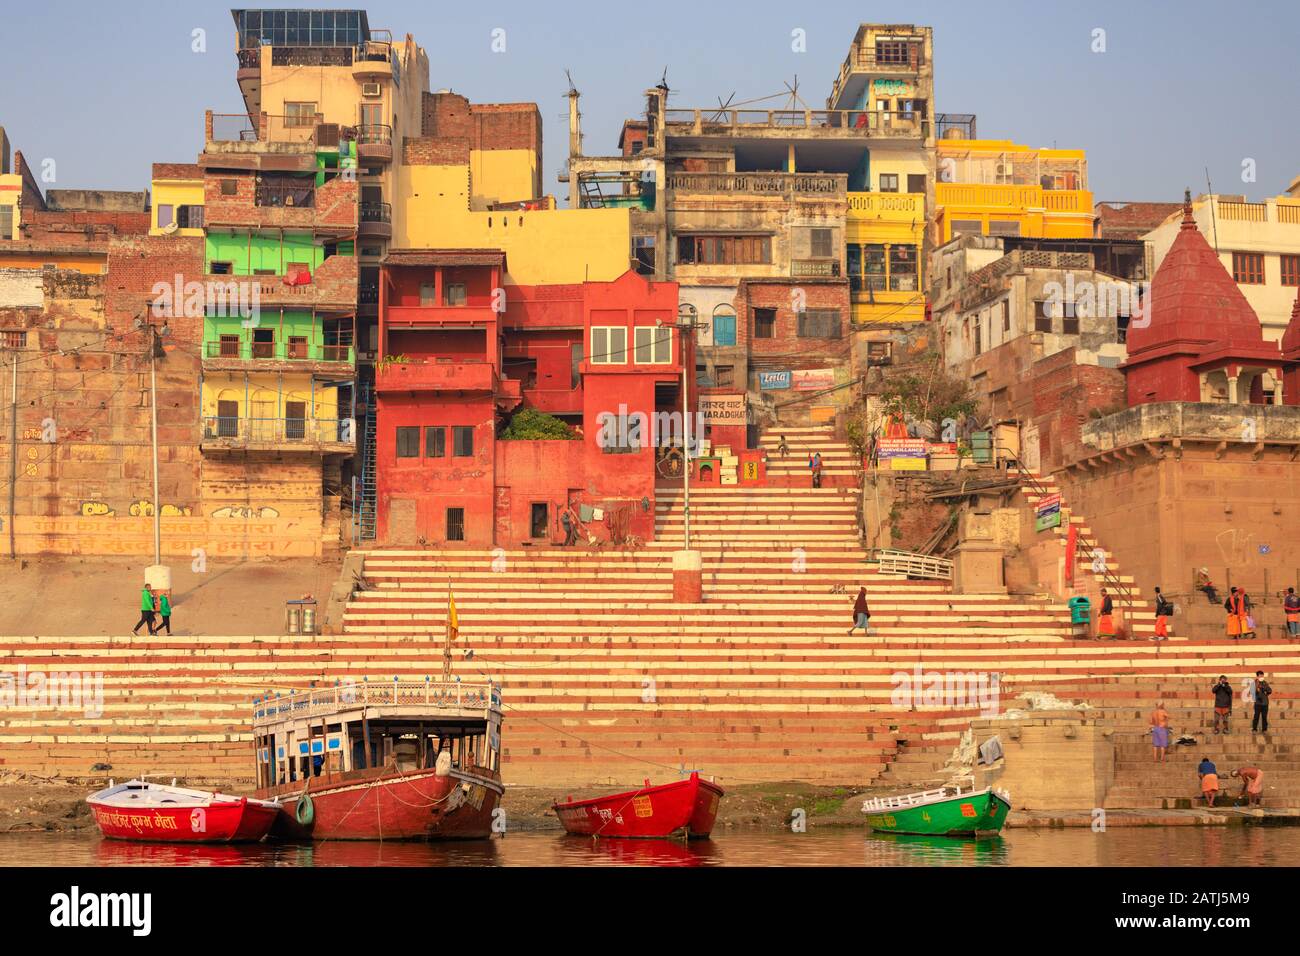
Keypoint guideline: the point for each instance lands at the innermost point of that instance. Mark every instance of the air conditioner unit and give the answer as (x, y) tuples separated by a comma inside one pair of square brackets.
[(1004, 172), (372, 89)]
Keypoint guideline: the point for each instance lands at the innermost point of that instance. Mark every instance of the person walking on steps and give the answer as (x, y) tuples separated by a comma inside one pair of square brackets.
[(1222, 691), (1106, 620), (1259, 720), (816, 464), (1163, 612), (783, 447), (1291, 605), (861, 613), (146, 611), (164, 614)]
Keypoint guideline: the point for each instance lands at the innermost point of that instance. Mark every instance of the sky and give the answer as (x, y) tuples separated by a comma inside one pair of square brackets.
[(1167, 90)]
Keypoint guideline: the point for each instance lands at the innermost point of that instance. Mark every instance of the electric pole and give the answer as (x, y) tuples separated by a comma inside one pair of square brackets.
[(13, 458), (686, 332)]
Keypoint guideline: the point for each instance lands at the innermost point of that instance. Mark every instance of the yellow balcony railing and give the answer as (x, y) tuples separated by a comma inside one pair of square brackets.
[(1010, 196), (894, 207)]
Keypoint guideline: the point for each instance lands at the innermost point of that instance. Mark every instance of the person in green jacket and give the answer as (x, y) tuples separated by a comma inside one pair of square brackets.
[(146, 610), (165, 610)]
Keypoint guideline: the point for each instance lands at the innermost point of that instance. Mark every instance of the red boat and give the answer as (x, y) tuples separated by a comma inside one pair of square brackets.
[(138, 810), (687, 807), (399, 760)]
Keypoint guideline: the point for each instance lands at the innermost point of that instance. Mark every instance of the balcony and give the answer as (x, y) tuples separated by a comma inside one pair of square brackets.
[(375, 220), (374, 143), (868, 59), (891, 207), (333, 288), (227, 353), (449, 375), (1007, 196), (278, 204), (780, 185), (815, 268), (328, 435), (784, 124), (438, 316), (374, 59)]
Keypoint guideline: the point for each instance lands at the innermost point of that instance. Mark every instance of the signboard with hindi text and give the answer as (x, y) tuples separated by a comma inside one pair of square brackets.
[(723, 409), (1047, 514)]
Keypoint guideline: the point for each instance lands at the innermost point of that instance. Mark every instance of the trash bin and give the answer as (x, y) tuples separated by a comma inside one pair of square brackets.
[(291, 619), (1080, 610), (300, 616)]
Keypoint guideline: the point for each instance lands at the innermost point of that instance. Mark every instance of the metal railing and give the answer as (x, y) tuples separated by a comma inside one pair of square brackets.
[(374, 134), (945, 124), (769, 183), (250, 58), (375, 212), (716, 121), (452, 697), (913, 565), (305, 431), (282, 194), (233, 128), (288, 351), (814, 268)]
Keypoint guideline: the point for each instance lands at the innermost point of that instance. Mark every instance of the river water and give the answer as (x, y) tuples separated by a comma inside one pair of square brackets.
[(1118, 846)]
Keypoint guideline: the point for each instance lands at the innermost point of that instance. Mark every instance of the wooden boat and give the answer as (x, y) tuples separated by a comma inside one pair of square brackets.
[(139, 810), (685, 807), (947, 811), (395, 760)]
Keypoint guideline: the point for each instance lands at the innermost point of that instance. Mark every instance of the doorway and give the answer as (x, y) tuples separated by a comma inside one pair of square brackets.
[(540, 521)]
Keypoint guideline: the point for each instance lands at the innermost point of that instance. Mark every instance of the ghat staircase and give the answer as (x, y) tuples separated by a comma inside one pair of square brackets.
[(606, 679)]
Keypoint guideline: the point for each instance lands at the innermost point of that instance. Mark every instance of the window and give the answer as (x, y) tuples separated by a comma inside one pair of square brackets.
[(453, 294), (724, 325), (970, 227), (297, 346), (643, 254), (408, 441), (435, 441), (916, 182), (902, 268), (724, 250), (867, 267), (1290, 269), (1248, 268), (975, 334), (13, 339), (819, 324), (189, 217), (263, 343), (455, 524), (1006, 316), (6, 222), (889, 182), (1042, 320), (428, 294), (462, 441), (1070, 325), (618, 435), (165, 215), (229, 187), (653, 345), (220, 268), (1003, 228), (1121, 328), (299, 114), (229, 346), (608, 345), (765, 323), (823, 243), (880, 353), (725, 375)]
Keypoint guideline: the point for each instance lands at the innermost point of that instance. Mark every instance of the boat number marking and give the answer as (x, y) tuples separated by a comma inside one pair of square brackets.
[(968, 810), (643, 807)]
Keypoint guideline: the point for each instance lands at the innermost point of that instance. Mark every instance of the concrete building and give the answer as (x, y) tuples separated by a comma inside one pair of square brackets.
[(1257, 242)]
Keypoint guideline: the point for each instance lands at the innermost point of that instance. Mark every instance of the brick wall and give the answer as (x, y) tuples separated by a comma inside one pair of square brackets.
[(435, 152), (786, 349)]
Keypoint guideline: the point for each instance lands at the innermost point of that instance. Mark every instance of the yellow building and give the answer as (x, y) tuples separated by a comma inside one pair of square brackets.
[(434, 207), (177, 190), (885, 233), (1000, 188)]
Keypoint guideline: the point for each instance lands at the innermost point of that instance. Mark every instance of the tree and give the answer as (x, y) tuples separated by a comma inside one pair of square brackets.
[(925, 393), (532, 425)]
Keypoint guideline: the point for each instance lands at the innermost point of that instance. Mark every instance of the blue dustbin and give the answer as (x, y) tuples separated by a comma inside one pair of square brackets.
[(1080, 610)]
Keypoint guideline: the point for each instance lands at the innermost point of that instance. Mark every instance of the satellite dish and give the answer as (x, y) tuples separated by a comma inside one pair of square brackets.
[(170, 228)]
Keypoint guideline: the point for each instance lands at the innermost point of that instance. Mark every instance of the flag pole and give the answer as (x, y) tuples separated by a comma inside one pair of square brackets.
[(446, 647)]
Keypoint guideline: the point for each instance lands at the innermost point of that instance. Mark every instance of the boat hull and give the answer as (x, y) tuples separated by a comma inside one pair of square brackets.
[(242, 821), (967, 815), (684, 808), (416, 805)]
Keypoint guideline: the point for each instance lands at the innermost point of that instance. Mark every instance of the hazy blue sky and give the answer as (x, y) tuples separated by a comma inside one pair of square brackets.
[(107, 88)]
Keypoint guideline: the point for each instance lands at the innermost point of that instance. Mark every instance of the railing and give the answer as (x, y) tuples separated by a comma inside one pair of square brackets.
[(1288, 213), (907, 56), (233, 128), (1011, 196), (784, 184), (897, 206), (250, 58), (469, 375), (368, 293), (1244, 211), (374, 134), (878, 282), (907, 800), (814, 268), (913, 565), (278, 431), (297, 197), (375, 212), (734, 121), (450, 697), (286, 351)]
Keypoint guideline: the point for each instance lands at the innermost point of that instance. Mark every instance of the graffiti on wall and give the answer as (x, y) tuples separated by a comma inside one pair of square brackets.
[(230, 511)]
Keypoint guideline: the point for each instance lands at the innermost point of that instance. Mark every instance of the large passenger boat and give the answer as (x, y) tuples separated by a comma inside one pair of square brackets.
[(392, 760)]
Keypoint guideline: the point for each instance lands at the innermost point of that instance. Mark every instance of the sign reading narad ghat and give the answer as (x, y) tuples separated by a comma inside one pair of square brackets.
[(722, 409)]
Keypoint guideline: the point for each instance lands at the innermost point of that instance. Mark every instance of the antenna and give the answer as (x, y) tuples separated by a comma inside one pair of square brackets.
[(1214, 222)]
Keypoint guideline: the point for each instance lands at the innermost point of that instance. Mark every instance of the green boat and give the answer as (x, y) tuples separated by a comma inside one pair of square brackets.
[(947, 811)]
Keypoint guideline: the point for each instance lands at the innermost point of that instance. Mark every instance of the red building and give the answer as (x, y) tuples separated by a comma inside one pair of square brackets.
[(463, 353), (1202, 341)]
